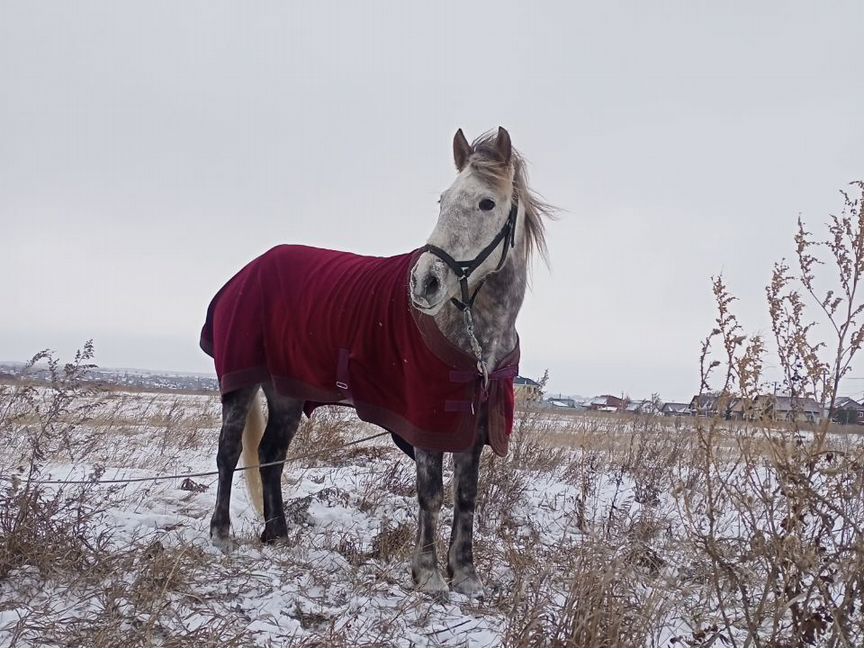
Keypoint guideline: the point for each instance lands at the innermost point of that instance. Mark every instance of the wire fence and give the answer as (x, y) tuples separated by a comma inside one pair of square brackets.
[(209, 473)]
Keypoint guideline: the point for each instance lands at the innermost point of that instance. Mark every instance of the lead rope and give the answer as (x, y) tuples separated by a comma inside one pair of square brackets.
[(476, 348)]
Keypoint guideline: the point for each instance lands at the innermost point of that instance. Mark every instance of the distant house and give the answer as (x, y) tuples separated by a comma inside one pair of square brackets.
[(847, 410), (704, 405), (644, 407), (676, 409), (788, 408), (562, 402), (606, 403), (744, 409), (633, 407), (844, 402), (797, 408), (527, 390), (719, 405)]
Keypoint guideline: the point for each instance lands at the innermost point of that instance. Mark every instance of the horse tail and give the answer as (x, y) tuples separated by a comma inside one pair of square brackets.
[(252, 434)]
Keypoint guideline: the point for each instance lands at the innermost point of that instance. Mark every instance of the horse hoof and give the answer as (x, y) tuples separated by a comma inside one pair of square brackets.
[(469, 585), (271, 536), (224, 543), (430, 582)]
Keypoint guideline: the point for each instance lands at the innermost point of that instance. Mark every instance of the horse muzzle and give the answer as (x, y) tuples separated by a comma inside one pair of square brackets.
[(428, 284)]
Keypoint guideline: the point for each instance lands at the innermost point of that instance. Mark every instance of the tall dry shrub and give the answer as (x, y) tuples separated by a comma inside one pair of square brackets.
[(48, 528), (775, 509)]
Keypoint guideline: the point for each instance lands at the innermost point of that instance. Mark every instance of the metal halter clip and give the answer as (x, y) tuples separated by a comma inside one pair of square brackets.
[(481, 367)]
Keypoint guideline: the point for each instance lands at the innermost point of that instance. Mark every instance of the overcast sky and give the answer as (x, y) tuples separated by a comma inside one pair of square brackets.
[(148, 150)]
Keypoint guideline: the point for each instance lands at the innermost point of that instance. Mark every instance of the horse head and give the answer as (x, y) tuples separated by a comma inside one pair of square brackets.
[(478, 223)]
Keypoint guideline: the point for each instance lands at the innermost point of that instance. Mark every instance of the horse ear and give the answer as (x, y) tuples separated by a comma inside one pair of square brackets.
[(461, 150), (503, 146)]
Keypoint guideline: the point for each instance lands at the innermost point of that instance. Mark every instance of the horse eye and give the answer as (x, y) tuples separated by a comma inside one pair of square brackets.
[(487, 204)]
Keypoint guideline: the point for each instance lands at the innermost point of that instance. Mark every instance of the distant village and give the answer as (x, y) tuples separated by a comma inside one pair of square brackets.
[(766, 406), (131, 378), (528, 391)]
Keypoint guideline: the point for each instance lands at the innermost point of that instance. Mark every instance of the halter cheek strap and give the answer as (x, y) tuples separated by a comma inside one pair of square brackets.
[(463, 269)]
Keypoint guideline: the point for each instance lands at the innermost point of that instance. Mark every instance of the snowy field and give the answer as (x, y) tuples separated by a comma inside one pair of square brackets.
[(594, 531)]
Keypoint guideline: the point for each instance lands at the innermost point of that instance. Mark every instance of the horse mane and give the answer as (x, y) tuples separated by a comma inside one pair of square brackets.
[(486, 163)]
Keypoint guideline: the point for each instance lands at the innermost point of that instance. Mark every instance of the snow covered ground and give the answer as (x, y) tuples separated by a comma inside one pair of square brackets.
[(580, 536)]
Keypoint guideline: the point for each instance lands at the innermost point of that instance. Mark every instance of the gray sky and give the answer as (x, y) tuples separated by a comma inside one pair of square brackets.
[(148, 150)]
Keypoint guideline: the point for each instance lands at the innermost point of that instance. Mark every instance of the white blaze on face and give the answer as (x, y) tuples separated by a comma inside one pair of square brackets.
[(472, 214)]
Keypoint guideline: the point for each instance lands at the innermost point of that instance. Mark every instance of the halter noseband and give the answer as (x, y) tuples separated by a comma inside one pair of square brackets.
[(463, 270)]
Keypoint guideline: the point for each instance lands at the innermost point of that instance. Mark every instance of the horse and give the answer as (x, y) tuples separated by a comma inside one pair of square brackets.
[(309, 326)]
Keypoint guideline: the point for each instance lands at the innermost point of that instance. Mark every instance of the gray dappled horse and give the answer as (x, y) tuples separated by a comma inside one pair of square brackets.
[(469, 282)]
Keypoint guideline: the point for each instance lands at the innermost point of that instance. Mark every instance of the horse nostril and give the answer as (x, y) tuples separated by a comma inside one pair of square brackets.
[(431, 285)]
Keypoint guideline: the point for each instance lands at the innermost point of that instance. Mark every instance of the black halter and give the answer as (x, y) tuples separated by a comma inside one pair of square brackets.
[(463, 269)]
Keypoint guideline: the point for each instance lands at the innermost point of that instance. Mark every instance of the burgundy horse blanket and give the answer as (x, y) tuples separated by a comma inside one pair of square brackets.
[(332, 327)]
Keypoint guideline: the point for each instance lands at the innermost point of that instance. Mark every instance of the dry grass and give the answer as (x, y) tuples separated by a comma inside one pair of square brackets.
[(584, 539), (59, 538), (136, 592)]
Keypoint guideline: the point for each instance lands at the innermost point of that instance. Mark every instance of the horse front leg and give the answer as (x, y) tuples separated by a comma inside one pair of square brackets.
[(460, 557), (430, 487)]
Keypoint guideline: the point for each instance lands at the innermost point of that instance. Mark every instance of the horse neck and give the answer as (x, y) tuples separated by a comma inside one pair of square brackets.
[(494, 311)]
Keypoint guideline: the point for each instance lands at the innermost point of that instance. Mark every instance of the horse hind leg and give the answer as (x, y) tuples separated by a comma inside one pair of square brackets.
[(430, 487), (282, 422), (235, 407)]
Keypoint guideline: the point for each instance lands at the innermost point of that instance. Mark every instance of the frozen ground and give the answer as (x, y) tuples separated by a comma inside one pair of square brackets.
[(581, 536)]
